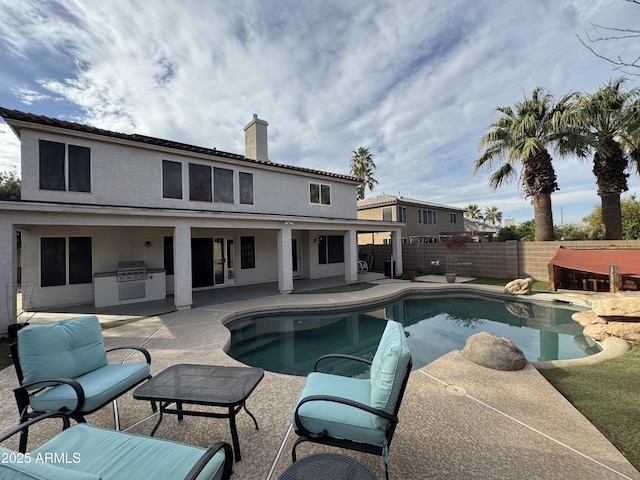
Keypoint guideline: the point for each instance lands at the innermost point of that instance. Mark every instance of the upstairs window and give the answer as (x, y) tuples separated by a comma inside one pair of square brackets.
[(453, 217), (246, 188), (171, 179), (320, 194), (64, 167), (402, 214), (199, 183), (427, 217), (387, 214), (222, 185)]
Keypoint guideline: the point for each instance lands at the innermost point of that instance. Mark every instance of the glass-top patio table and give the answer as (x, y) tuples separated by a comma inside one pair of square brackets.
[(209, 385)]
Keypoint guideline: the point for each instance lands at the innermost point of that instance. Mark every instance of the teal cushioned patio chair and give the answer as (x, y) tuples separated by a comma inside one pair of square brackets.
[(356, 413), (83, 452), (63, 367)]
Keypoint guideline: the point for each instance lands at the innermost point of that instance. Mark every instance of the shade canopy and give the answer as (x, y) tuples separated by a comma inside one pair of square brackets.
[(598, 261)]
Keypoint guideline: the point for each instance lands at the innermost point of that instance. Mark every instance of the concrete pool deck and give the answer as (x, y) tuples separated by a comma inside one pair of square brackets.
[(457, 419)]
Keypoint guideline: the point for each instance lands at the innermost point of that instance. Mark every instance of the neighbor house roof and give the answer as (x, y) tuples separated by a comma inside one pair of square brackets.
[(13, 116), (384, 200)]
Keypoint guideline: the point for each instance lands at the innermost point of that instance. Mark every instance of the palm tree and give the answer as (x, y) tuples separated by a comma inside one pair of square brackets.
[(606, 123), (362, 166), (493, 215), (522, 136), (473, 212)]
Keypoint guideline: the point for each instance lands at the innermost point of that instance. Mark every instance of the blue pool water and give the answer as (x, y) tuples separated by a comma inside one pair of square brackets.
[(291, 342)]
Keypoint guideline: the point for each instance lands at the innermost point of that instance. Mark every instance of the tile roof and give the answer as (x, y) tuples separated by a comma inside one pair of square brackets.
[(18, 116), (383, 200)]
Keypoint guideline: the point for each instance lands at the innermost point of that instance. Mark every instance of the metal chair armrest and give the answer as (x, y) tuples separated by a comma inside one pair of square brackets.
[(344, 401), (25, 425), (143, 350), (208, 455), (22, 393), (342, 356)]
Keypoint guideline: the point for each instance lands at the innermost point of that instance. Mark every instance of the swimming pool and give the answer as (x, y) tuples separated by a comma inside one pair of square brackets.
[(291, 342)]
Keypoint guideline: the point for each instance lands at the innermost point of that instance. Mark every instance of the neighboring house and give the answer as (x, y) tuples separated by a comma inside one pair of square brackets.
[(420, 221), (111, 218), (480, 231)]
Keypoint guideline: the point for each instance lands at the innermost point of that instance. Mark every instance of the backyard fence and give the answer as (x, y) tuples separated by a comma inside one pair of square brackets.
[(506, 260)]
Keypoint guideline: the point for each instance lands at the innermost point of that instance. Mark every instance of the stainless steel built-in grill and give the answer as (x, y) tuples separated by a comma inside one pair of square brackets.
[(130, 271)]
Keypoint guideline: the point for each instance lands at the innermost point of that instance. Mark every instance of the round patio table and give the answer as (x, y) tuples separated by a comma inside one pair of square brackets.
[(327, 466)]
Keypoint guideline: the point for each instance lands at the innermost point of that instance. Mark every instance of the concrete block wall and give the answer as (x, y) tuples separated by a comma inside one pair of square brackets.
[(506, 260)]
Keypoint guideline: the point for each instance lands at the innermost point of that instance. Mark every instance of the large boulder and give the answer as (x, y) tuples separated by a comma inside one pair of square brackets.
[(587, 317), (493, 352), (620, 305), (629, 331), (519, 286)]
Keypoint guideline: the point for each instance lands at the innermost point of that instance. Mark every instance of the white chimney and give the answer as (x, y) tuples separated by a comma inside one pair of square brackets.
[(255, 139)]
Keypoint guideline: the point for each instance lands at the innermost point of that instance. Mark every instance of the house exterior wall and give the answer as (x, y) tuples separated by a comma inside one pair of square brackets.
[(128, 175), (127, 217), (411, 228)]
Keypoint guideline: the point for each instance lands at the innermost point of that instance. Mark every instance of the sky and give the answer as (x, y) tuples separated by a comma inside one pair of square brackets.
[(417, 81)]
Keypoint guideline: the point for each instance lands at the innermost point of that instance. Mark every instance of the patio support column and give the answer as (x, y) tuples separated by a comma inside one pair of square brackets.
[(285, 259), (182, 288), (396, 249), (8, 276), (350, 256)]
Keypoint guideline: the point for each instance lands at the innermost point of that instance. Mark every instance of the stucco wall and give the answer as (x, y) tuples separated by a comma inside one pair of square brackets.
[(132, 176)]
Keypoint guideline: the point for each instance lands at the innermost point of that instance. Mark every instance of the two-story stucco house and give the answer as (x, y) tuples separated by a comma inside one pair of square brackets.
[(420, 221), (111, 218)]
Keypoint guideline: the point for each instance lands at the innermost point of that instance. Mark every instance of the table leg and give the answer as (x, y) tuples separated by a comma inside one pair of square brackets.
[(179, 408), (234, 433), (159, 418), (244, 405)]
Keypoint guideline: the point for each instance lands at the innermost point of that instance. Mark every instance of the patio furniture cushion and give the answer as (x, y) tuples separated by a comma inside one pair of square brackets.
[(339, 420), (68, 348), (85, 452), (115, 455), (100, 387), (36, 468), (389, 362)]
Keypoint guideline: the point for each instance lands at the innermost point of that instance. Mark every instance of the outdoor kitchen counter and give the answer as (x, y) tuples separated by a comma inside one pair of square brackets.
[(108, 291)]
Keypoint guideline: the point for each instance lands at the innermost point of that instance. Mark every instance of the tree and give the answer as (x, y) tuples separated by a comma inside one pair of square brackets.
[(473, 212), (572, 231), (362, 166), (524, 232), (627, 65), (606, 123), (630, 209), (522, 136), (492, 215), (10, 185)]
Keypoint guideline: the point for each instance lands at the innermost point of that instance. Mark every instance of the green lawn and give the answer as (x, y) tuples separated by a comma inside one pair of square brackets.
[(607, 394)]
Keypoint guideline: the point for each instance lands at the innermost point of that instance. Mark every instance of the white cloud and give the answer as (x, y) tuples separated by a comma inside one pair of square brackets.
[(416, 81), (9, 149)]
